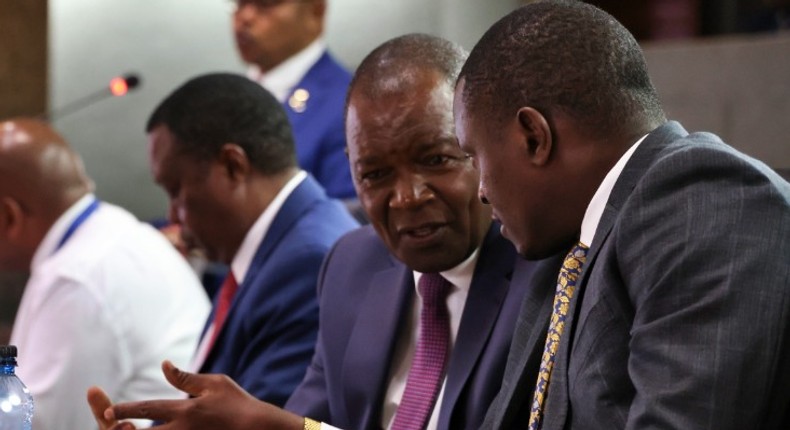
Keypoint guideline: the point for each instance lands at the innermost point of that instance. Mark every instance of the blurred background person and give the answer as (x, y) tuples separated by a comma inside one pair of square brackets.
[(282, 41), (108, 298)]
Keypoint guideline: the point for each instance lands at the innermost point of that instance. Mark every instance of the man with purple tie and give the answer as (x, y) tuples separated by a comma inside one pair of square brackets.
[(417, 309)]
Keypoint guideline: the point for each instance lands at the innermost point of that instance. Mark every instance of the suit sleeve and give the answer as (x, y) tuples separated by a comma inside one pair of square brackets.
[(283, 328), (703, 250)]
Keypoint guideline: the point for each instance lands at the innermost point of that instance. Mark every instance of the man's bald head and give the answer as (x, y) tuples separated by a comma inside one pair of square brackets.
[(397, 64), (40, 177)]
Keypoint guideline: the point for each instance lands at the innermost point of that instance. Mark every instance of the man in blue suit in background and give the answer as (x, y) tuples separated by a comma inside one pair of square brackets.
[(283, 44), (221, 147)]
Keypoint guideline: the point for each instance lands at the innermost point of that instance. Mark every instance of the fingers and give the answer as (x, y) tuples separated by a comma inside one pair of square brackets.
[(157, 410), (99, 403), (190, 383)]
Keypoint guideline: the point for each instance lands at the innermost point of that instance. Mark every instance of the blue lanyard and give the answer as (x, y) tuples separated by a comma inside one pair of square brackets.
[(77, 222)]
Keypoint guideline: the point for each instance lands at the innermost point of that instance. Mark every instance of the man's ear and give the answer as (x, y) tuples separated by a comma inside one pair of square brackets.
[(11, 218), (234, 160), (537, 137)]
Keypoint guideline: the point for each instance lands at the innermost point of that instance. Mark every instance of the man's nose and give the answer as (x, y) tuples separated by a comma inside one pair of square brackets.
[(410, 191), (481, 194)]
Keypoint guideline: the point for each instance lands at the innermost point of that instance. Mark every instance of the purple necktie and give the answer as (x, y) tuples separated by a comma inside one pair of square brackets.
[(427, 369)]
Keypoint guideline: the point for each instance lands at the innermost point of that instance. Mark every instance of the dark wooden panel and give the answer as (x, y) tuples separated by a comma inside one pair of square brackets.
[(23, 57)]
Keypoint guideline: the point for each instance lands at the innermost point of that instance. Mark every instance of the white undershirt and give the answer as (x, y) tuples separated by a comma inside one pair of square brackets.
[(282, 79), (592, 216)]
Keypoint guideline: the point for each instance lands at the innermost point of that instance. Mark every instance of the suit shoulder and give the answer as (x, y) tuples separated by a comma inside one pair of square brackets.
[(361, 246), (364, 239), (702, 150)]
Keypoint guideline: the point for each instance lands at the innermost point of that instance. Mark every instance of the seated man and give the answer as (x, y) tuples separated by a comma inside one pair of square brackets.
[(222, 149), (108, 298), (418, 309), (675, 306)]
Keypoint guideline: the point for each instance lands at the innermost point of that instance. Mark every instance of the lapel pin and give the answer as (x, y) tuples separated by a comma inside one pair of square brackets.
[(298, 100)]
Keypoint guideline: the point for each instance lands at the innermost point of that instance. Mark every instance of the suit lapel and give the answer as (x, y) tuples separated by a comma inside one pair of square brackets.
[(367, 362), (487, 292), (529, 338), (633, 171), (302, 197), (295, 107)]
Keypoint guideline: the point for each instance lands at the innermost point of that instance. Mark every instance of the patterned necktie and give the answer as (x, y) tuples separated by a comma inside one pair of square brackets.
[(566, 283), (427, 369), (225, 298)]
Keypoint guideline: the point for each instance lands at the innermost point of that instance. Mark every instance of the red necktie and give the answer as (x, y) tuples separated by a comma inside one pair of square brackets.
[(427, 369), (226, 293)]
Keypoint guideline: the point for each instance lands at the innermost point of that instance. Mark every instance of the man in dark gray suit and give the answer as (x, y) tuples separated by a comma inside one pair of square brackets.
[(673, 310)]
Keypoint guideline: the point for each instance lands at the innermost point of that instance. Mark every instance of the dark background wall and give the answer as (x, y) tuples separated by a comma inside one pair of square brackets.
[(23, 57), (23, 91)]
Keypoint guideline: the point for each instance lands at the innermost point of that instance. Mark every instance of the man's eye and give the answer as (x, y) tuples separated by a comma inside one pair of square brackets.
[(436, 160), (373, 175)]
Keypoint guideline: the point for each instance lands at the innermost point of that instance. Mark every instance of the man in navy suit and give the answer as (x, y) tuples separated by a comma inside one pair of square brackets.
[(420, 194), (283, 43), (221, 147), (679, 309)]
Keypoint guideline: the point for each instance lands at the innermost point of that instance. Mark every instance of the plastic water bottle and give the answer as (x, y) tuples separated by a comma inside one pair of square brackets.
[(16, 403)]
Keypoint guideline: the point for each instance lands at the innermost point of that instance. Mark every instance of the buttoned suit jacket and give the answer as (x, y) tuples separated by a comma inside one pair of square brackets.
[(319, 128), (681, 315), (267, 340), (366, 296)]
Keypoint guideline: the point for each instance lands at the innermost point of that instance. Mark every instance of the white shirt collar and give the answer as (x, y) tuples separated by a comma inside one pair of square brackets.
[(252, 240), (460, 276), (595, 209), (282, 79), (55, 233)]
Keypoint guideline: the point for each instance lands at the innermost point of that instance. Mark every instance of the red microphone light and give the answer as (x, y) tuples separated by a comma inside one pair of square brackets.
[(118, 86)]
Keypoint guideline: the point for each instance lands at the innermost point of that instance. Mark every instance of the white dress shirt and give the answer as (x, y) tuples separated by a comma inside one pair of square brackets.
[(104, 309), (592, 216), (282, 79), (241, 262)]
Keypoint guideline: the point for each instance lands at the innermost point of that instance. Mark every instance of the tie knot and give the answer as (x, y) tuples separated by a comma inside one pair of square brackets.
[(433, 288), (577, 255)]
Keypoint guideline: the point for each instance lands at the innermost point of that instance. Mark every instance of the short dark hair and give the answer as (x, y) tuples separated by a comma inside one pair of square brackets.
[(214, 109), (562, 56), (397, 57)]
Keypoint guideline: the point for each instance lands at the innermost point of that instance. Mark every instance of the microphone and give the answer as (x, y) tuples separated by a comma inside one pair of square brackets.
[(118, 87)]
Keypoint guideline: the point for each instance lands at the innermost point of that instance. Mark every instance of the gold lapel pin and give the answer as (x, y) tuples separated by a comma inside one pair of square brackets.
[(298, 100)]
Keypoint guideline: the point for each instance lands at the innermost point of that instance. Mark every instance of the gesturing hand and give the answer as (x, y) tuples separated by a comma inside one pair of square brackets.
[(217, 403), (99, 403)]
